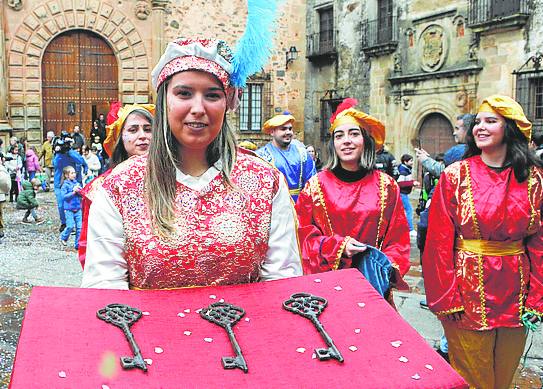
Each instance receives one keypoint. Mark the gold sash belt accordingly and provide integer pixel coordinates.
(490, 247)
(294, 191)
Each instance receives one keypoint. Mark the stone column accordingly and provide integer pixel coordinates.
(158, 19)
(3, 74)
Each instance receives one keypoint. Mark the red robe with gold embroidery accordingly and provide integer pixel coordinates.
(353, 209)
(492, 291)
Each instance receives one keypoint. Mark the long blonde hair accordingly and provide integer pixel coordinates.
(163, 158)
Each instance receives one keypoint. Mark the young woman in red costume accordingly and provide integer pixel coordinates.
(197, 210)
(128, 134)
(349, 204)
(483, 261)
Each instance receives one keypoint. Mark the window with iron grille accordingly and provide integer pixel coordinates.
(384, 18)
(251, 108)
(328, 107)
(538, 101)
(326, 29)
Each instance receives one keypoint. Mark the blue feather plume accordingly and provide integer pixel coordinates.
(254, 47)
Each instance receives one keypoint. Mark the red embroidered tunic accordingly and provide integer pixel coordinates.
(369, 210)
(221, 234)
(87, 194)
(473, 201)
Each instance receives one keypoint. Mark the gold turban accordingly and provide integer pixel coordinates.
(277, 121)
(510, 109)
(113, 130)
(374, 127)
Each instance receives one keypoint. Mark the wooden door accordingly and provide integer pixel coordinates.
(79, 80)
(436, 134)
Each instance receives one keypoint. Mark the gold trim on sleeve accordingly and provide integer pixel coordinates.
(477, 233)
(449, 311)
(340, 252)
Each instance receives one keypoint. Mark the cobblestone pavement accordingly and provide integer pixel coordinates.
(31, 255)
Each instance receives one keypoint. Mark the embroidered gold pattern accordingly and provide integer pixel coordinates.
(528, 310)
(477, 233)
(449, 311)
(521, 294)
(533, 212)
(220, 233)
(340, 252)
(323, 204)
(383, 195)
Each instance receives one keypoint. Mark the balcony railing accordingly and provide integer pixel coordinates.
(321, 45)
(380, 37)
(497, 14)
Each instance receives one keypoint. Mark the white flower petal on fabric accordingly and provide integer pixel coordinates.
(247, 319)
(62, 374)
(198, 310)
(105, 387)
(148, 361)
(313, 356)
(429, 367)
(212, 296)
(338, 288)
(181, 314)
(187, 311)
(403, 359)
(353, 348)
(221, 300)
(416, 377)
(208, 340)
(317, 280)
(357, 330)
(159, 350)
(187, 333)
(396, 343)
(145, 313)
(300, 350)
(361, 305)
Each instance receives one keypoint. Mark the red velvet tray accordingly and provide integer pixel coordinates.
(64, 345)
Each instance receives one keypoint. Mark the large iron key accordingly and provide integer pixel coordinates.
(310, 307)
(227, 315)
(124, 316)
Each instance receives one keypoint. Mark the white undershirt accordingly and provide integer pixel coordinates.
(105, 266)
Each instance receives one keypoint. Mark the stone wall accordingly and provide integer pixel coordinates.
(137, 31)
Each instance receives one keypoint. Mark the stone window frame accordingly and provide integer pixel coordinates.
(263, 82)
(529, 89)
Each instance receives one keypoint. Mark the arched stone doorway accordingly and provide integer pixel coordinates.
(79, 80)
(436, 134)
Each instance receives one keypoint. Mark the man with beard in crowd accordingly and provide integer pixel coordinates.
(288, 155)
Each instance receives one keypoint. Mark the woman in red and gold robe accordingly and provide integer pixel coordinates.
(349, 204)
(483, 267)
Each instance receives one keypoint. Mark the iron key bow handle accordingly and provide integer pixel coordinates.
(310, 307)
(227, 315)
(124, 316)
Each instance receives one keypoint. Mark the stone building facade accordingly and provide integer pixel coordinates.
(418, 64)
(39, 38)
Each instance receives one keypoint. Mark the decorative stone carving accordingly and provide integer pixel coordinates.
(397, 58)
(433, 47)
(406, 103)
(16, 5)
(461, 99)
(142, 9)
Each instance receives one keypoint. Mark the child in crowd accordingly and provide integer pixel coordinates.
(72, 205)
(406, 183)
(32, 162)
(27, 200)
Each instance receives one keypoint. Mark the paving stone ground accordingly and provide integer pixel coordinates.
(31, 255)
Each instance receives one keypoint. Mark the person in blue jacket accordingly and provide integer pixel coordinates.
(64, 156)
(72, 206)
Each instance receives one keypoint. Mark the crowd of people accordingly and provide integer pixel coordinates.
(181, 205)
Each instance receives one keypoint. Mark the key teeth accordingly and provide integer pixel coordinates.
(232, 363)
(131, 363)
